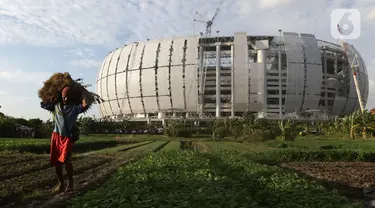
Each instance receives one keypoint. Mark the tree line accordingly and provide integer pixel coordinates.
(248, 127)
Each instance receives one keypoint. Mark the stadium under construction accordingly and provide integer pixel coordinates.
(277, 77)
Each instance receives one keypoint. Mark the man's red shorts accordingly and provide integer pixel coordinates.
(61, 149)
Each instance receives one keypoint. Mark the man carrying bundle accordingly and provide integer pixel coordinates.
(65, 115)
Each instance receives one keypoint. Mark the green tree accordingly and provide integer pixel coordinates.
(85, 125)
(41, 129)
(22, 121)
(362, 122)
(289, 130)
(7, 127)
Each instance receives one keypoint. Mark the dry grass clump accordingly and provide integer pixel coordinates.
(51, 91)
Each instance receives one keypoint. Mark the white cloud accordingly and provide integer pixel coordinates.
(371, 15)
(82, 52)
(54, 22)
(87, 63)
(85, 55)
(24, 76)
(9, 71)
(273, 3)
(114, 22)
(9, 100)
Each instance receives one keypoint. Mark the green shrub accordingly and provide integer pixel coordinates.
(7, 128)
(278, 144)
(184, 133)
(43, 132)
(221, 132)
(178, 129)
(186, 145)
(236, 131)
(259, 135)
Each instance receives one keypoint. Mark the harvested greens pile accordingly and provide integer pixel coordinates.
(51, 91)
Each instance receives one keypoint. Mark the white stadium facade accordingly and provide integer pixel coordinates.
(220, 77)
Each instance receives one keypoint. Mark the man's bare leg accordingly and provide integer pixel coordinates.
(69, 173)
(59, 172)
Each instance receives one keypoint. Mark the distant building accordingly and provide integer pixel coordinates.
(24, 131)
(213, 77)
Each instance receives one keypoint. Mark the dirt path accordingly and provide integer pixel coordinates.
(350, 178)
(32, 186)
(84, 182)
(33, 189)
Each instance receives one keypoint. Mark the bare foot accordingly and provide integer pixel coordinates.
(58, 189)
(70, 186)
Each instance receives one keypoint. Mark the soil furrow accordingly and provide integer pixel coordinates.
(160, 147)
(13, 189)
(11, 171)
(129, 148)
(87, 181)
(350, 178)
(84, 182)
(15, 159)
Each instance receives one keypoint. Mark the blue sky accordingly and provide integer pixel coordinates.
(39, 37)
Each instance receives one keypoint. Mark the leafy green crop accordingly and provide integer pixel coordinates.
(221, 179)
(40, 146)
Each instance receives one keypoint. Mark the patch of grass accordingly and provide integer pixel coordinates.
(172, 145)
(316, 143)
(118, 148)
(236, 146)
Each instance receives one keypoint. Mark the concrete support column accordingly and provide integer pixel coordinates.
(232, 82)
(201, 81)
(325, 81)
(280, 78)
(261, 56)
(161, 115)
(218, 80)
(262, 59)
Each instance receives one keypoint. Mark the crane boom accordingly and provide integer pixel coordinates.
(353, 66)
(211, 21)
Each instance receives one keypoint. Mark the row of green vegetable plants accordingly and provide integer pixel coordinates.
(219, 179)
(274, 153)
(40, 146)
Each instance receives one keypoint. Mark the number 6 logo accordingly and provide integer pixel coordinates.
(345, 23)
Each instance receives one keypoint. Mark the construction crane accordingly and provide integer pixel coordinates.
(353, 65)
(209, 22)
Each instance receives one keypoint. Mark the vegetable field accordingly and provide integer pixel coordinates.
(141, 171)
